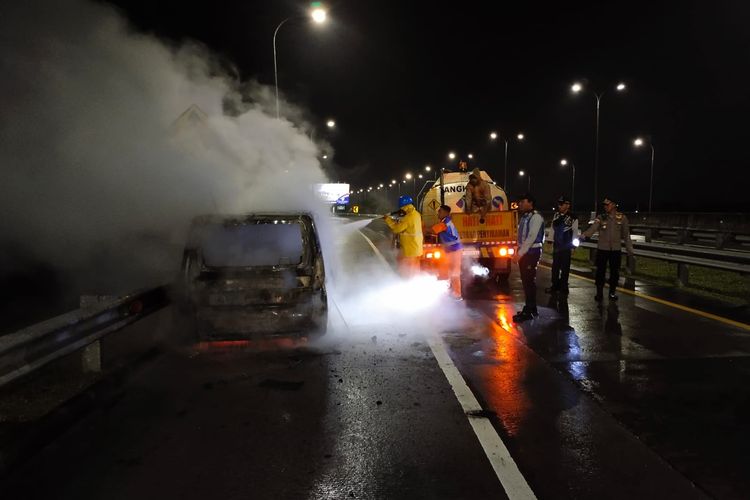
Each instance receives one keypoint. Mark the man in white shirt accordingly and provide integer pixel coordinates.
(530, 241)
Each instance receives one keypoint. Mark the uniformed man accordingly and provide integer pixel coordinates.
(613, 228)
(565, 239)
(530, 242)
(450, 240)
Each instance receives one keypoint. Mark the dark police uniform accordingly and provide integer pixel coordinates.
(613, 229)
(565, 231)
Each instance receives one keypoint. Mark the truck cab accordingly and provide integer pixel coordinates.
(489, 246)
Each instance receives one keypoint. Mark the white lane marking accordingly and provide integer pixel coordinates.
(497, 453)
(502, 462)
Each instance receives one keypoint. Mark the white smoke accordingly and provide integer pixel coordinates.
(98, 173)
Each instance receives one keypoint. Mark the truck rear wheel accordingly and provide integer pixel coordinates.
(501, 279)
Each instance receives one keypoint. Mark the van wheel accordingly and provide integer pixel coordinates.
(502, 278)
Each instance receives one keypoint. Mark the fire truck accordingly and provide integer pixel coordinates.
(489, 245)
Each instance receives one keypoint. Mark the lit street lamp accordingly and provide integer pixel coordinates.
(318, 15)
(331, 124)
(639, 142)
(564, 163)
(413, 181)
(577, 88)
(470, 156)
(521, 173)
(493, 137)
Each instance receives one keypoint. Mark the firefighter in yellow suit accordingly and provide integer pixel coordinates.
(409, 230)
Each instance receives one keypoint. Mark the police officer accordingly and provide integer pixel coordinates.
(565, 239)
(530, 241)
(613, 228)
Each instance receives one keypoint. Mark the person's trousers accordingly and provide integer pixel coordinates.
(408, 267)
(454, 271)
(527, 266)
(561, 268)
(612, 259)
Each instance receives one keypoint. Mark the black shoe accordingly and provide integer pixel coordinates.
(612, 296)
(552, 289)
(525, 315)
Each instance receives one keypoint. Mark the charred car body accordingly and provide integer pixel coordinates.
(254, 275)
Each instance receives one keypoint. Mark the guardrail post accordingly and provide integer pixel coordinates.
(91, 355)
(721, 240)
(683, 274)
(630, 263)
(682, 236)
(649, 235)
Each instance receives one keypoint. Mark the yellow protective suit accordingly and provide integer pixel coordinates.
(409, 230)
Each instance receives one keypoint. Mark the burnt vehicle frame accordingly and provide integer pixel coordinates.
(286, 299)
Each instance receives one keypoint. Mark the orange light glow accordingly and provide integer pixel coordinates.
(503, 252)
(511, 251)
(507, 390)
(437, 255)
(429, 255)
(255, 345)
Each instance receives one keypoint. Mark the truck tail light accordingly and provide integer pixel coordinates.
(503, 251)
(511, 251)
(437, 255)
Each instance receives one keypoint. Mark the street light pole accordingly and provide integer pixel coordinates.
(651, 183)
(576, 88)
(276, 66)
(564, 163)
(506, 140)
(522, 173)
(596, 151)
(505, 177)
(638, 143)
(318, 15)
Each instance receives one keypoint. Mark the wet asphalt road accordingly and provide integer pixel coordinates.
(630, 400)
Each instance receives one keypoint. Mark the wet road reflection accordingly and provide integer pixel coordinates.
(593, 394)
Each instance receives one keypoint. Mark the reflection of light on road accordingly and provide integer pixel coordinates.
(507, 391)
(503, 313)
(253, 345)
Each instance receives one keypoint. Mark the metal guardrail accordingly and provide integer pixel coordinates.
(715, 238)
(681, 256)
(31, 348)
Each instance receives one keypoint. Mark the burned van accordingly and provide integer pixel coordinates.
(258, 275)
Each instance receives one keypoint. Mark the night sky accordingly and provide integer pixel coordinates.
(409, 81)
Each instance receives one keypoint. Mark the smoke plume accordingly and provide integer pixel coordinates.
(111, 141)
